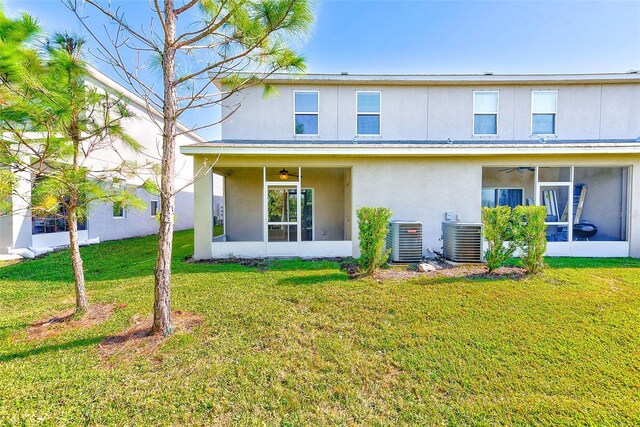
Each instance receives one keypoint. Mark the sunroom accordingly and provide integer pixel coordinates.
(587, 206)
(282, 211)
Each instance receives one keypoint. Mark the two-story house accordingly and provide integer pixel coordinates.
(296, 166)
(106, 221)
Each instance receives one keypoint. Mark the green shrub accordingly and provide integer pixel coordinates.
(373, 226)
(530, 233)
(498, 231)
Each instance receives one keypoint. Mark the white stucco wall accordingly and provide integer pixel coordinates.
(145, 129)
(585, 111)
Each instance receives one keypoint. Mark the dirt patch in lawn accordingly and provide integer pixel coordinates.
(479, 271)
(67, 320)
(138, 340)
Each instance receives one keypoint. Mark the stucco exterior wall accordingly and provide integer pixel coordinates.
(419, 190)
(328, 199)
(243, 189)
(585, 111)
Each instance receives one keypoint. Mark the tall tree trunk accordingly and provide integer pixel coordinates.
(162, 303)
(76, 262)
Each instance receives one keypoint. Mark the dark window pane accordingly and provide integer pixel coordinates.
(306, 124)
(510, 197)
(544, 124)
(306, 203)
(118, 210)
(485, 124)
(368, 124)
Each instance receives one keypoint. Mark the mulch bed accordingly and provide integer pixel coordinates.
(66, 321)
(467, 271)
(138, 340)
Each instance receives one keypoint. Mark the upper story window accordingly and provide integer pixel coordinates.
(485, 112)
(306, 112)
(368, 113)
(544, 108)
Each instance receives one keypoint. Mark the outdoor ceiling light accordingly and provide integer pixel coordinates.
(284, 174)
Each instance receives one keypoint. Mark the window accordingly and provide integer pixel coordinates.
(512, 197)
(54, 223)
(544, 105)
(118, 210)
(368, 113)
(154, 208)
(306, 113)
(485, 112)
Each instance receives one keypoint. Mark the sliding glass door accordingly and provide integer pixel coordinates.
(282, 213)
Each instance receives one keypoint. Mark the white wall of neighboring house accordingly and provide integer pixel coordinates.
(16, 230)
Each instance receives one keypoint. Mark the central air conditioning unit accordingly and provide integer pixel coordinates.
(462, 241)
(405, 241)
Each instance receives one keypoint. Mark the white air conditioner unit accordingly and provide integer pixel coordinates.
(405, 241)
(462, 241)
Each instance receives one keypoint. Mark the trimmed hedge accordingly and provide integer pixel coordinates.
(521, 228)
(373, 226)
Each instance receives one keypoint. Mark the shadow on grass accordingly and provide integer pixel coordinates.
(51, 348)
(313, 280)
(299, 264)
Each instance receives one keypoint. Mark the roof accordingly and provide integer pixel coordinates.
(632, 76)
(104, 80)
(412, 147)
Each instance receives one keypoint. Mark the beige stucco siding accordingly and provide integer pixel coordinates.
(585, 111)
(243, 215)
(419, 190)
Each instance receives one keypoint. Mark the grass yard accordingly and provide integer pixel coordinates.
(298, 343)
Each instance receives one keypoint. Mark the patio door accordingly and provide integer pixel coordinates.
(282, 222)
(554, 192)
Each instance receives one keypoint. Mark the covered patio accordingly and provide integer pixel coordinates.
(276, 211)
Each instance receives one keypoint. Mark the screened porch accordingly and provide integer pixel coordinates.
(282, 211)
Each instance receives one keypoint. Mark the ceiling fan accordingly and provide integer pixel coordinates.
(520, 169)
(285, 174)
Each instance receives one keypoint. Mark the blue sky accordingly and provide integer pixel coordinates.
(443, 36)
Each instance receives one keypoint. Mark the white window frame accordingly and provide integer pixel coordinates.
(497, 113)
(555, 113)
(157, 202)
(124, 212)
(379, 114)
(317, 113)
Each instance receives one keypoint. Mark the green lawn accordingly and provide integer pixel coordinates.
(300, 344)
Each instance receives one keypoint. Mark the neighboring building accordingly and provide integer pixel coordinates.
(429, 148)
(108, 222)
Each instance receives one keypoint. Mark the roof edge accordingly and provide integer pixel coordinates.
(449, 79)
(102, 78)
